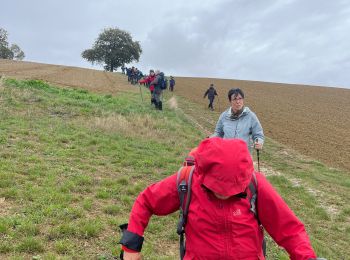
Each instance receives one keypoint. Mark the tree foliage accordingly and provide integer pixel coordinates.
(7, 51)
(112, 49)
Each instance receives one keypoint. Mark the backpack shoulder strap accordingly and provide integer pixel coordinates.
(253, 187)
(183, 182)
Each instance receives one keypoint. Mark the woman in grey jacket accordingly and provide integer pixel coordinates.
(240, 122)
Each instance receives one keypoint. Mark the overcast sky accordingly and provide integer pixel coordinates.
(291, 41)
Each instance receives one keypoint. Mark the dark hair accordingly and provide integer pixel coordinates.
(235, 92)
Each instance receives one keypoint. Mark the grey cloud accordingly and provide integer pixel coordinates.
(289, 41)
(285, 41)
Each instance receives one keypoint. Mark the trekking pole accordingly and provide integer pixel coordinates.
(219, 103)
(258, 155)
(141, 93)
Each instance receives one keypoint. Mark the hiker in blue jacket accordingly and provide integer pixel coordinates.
(239, 121)
(172, 83)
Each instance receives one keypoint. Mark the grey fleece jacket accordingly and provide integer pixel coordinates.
(246, 126)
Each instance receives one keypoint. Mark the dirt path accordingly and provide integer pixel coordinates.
(325, 201)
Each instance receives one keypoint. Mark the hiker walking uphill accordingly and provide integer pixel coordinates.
(158, 83)
(150, 78)
(238, 121)
(220, 223)
(211, 93)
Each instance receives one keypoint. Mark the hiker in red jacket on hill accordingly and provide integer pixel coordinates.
(148, 80)
(220, 223)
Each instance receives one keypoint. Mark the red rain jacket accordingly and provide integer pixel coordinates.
(224, 229)
(149, 79)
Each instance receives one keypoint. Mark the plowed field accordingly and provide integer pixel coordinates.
(312, 120)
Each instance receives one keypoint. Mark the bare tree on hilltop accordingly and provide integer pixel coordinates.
(7, 51)
(112, 49)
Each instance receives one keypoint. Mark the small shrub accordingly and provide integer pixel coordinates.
(112, 210)
(123, 181)
(30, 245)
(3, 226)
(126, 200)
(63, 231)
(28, 230)
(64, 247)
(9, 193)
(90, 228)
(5, 248)
(87, 204)
(71, 213)
(103, 194)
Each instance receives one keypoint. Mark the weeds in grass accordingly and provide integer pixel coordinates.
(64, 247)
(112, 210)
(30, 245)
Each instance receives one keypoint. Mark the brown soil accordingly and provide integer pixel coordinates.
(312, 120)
(93, 80)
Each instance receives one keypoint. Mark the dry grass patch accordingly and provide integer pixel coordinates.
(5, 207)
(2, 79)
(172, 103)
(133, 125)
(2, 87)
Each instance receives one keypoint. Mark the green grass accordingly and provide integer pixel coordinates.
(73, 162)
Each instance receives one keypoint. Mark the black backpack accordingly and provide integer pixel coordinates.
(184, 181)
(163, 83)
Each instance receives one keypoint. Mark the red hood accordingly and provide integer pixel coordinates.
(226, 165)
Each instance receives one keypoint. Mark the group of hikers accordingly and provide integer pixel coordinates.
(155, 81)
(225, 205)
(133, 73)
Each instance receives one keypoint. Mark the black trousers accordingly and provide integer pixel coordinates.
(211, 101)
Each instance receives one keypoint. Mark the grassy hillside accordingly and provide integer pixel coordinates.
(312, 120)
(72, 163)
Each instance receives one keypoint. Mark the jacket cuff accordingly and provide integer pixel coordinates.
(132, 241)
(128, 249)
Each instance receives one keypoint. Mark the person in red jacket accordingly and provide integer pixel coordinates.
(148, 80)
(220, 224)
